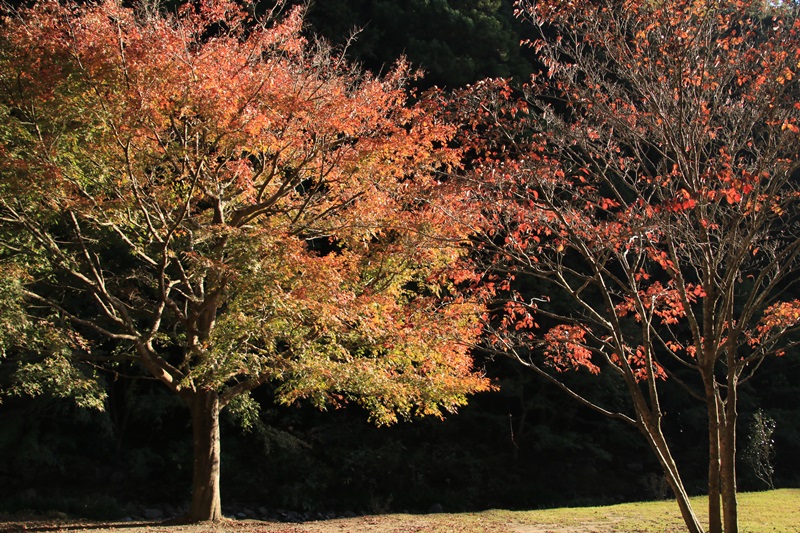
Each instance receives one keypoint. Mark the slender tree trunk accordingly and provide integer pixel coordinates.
(206, 503)
(728, 461)
(655, 437)
(713, 408)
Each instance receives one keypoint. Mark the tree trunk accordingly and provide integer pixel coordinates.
(713, 408)
(728, 462)
(206, 503)
(655, 437)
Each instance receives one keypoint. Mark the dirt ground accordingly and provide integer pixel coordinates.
(440, 523)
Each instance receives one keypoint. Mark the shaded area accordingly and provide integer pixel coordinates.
(524, 447)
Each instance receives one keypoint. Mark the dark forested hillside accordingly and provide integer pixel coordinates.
(454, 41)
(525, 446)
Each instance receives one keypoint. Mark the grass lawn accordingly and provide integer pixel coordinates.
(776, 511)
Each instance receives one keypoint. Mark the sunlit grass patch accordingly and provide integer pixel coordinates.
(776, 511)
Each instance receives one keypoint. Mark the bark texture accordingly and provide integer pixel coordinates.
(206, 502)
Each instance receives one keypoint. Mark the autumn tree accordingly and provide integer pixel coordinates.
(226, 203)
(646, 184)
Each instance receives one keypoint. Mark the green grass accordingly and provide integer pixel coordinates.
(776, 511)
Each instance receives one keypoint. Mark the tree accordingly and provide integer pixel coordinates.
(456, 42)
(647, 185)
(760, 449)
(227, 204)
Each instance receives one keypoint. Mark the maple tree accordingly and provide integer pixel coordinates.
(227, 203)
(646, 183)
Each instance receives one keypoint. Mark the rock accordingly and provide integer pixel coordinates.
(436, 508)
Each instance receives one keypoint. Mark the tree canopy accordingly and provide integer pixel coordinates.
(228, 203)
(636, 210)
